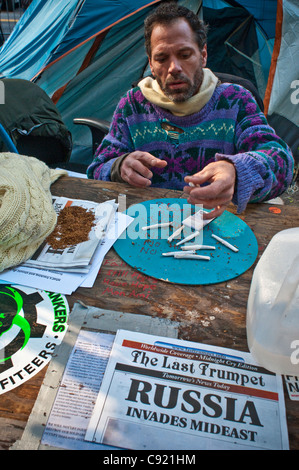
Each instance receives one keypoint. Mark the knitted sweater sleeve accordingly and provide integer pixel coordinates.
(115, 144)
(264, 163)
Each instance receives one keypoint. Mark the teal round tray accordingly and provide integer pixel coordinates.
(142, 249)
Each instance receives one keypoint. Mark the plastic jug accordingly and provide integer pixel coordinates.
(273, 305)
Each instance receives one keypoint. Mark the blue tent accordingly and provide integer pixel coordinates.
(86, 53)
(49, 29)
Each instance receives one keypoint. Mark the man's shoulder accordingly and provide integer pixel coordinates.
(232, 89)
(133, 98)
(235, 92)
(134, 93)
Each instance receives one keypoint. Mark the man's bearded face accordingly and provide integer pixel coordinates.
(176, 61)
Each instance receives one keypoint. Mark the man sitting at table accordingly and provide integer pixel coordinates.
(183, 126)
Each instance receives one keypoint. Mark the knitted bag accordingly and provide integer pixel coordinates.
(27, 215)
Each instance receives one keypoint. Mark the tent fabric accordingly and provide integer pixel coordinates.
(241, 37)
(283, 86)
(49, 29)
(36, 35)
(275, 54)
(232, 41)
(86, 53)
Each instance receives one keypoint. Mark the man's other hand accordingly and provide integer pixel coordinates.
(218, 193)
(135, 168)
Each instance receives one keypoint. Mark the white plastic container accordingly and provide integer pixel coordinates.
(273, 305)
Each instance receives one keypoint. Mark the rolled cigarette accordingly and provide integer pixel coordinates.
(191, 256)
(198, 247)
(175, 233)
(224, 242)
(164, 224)
(193, 235)
(172, 253)
(183, 254)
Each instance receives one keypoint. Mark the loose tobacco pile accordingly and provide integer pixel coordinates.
(73, 226)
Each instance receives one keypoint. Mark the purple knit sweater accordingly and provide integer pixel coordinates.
(229, 126)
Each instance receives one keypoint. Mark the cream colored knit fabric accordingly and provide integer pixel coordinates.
(152, 91)
(27, 216)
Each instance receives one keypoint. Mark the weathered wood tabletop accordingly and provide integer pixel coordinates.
(211, 314)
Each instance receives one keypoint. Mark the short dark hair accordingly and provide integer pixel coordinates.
(169, 12)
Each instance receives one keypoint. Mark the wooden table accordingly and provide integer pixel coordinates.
(212, 314)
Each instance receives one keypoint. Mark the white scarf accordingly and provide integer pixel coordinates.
(152, 92)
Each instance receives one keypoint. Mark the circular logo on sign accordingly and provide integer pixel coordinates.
(32, 324)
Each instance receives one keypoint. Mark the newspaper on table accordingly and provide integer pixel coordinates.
(292, 385)
(76, 258)
(65, 280)
(80, 384)
(162, 394)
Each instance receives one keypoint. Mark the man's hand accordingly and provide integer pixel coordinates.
(135, 168)
(216, 195)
